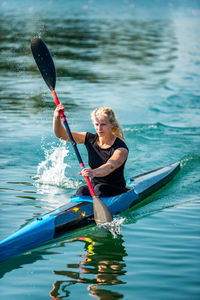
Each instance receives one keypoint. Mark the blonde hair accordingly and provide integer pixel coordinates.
(109, 114)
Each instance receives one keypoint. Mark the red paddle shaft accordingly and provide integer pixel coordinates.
(63, 117)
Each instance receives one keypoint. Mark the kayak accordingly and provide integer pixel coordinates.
(79, 212)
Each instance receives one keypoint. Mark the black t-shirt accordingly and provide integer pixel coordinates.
(98, 156)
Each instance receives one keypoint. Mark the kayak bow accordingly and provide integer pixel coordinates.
(79, 212)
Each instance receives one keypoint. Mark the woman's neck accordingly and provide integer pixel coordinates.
(106, 141)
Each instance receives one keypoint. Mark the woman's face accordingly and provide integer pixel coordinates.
(102, 126)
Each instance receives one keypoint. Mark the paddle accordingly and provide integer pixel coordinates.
(46, 66)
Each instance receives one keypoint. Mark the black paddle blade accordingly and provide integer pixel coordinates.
(44, 62)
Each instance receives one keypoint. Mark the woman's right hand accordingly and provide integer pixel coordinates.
(60, 107)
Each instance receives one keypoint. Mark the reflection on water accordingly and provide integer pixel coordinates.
(102, 265)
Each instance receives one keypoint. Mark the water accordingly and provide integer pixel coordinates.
(141, 58)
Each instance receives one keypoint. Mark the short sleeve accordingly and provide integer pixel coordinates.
(119, 144)
(89, 138)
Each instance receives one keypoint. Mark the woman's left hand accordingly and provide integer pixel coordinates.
(87, 172)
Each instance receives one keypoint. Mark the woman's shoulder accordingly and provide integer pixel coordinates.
(90, 137)
(119, 143)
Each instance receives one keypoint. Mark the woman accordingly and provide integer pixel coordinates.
(107, 152)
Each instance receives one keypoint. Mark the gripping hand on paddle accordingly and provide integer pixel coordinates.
(59, 108)
(87, 172)
(59, 130)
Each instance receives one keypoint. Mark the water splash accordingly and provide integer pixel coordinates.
(113, 227)
(52, 177)
(52, 170)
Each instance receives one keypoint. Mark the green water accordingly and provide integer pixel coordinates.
(142, 58)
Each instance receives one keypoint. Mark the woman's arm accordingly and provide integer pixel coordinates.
(60, 131)
(117, 159)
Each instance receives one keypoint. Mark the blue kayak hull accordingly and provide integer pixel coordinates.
(79, 212)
